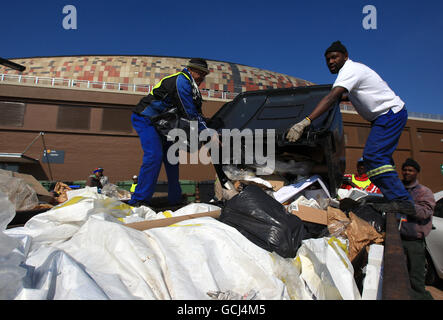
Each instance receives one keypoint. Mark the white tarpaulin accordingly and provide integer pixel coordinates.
(81, 249)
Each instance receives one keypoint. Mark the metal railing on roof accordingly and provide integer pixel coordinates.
(422, 115)
(87, 84)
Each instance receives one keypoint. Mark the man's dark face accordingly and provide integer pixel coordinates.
(361, 169)
(335, 61)
(409, 174)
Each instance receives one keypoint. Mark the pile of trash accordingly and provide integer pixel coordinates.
(21, 195)
(259, 243)
(27, 194)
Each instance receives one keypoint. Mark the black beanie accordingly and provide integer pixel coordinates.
(336, 46)
(411, 163)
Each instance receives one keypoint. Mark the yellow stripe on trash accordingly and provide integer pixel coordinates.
(124, 208)
(70, 202)
(333, 242)
(185, 225)
(167, 214)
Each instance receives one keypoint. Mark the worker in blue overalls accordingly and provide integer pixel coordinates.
(377, 103)
(180, 90)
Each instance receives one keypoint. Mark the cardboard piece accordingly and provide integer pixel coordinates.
(360, 234)
(311, 215)
(158, 223)
(276, 181)
(337, 222)
(62, 189)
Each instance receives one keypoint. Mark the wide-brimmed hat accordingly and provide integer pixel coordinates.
(199, 64)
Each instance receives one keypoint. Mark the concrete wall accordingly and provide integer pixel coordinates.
(119, 151)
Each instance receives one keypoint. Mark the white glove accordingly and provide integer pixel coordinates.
(296, 130)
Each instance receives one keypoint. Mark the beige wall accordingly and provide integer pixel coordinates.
(120, 152)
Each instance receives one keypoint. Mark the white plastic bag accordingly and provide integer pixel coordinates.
(326, 269)
(11, 273)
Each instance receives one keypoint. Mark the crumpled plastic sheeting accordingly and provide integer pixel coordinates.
(11, 273)
(112, 190)
(181, 262)
(82, 250)
(204, 255)
(326, 270)
(21, 195)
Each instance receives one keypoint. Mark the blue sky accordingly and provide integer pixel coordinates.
(283, 36)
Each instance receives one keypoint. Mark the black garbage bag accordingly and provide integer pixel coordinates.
(366, 209)
(372, 216)
(264, 221)
(315, 230)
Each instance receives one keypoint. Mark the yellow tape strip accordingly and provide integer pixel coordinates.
(185, 225)
(71, 202)
(167, 214)
(333, 242)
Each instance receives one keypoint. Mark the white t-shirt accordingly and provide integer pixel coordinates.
(368, 92)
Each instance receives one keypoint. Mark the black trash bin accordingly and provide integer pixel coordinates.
(206, 191)
(322, 143)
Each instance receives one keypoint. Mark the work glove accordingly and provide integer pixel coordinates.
(296, 130)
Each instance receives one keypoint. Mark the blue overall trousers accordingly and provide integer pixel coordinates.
(155, 153)
(377, 155)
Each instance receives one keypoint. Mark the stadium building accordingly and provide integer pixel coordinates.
(64, 116)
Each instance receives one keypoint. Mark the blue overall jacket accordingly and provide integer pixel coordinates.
(175, 90)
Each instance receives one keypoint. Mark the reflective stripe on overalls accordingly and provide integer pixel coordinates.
(380, 170)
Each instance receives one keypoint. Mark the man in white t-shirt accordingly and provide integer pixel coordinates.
(378, 104)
